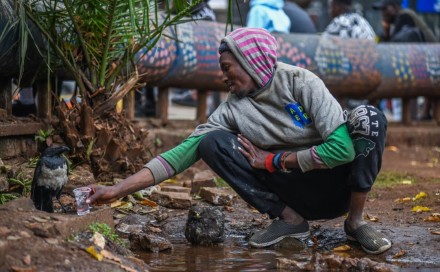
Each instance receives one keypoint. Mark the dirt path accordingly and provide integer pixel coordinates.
(406, 173)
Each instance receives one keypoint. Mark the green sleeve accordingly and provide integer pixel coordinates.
(184, 155)
(337, 149)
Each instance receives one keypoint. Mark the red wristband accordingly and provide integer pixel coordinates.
(268, 164)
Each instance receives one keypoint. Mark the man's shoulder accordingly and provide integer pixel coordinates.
(407, 16)
(295, 71)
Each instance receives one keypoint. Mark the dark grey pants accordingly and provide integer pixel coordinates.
(317, 194)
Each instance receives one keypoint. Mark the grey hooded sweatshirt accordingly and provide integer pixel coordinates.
(294, 111)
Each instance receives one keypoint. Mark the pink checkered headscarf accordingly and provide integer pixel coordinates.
(256, 50)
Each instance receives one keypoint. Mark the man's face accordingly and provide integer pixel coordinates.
(389, 13)
(239, 82)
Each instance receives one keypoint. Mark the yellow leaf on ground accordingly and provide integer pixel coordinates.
(393, 148)
(432, 219)
(435, 217)
(402, 200)
(171, 180)
(399, 254)
(94, 252)
(148, 202)
(420, 209)
(420, 196)
(406, 182)
(372, 218)
(342, 248)
(115, 204)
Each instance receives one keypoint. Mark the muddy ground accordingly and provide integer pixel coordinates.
(406, 172)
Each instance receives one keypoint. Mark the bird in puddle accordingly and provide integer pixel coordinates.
(50, 176)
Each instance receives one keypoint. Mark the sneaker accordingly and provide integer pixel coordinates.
(371, 240)
(277, 231)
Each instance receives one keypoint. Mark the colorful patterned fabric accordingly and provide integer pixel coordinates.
(256, 50)
(350, 25)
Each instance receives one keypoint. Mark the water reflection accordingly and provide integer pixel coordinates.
(233, 255)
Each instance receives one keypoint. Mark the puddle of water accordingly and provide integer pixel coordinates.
(236, 255)
(230, 256)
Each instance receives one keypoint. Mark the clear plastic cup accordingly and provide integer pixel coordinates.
(81, 195)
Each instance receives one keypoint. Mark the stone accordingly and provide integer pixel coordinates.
(172, 200)
(218, 196)
(290, 243)
(125, 229)
(153, 243)
(333, 262)
(56, 225)
(176, 189)
(205, 225)
(202, 179)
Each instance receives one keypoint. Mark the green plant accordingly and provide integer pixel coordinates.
(219, 182)
(97, 41)
(32, 162)
(70, 165)
(107, 232)
(90, 149)
(7, 197)
(23, 183)
(390, 179)
(43, 135)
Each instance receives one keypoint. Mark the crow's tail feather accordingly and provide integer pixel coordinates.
(43, 199)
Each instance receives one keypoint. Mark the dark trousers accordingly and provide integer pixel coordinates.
(316, 194)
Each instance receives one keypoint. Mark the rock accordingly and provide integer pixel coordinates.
(187, 183)
(150, 190)
(133, 223)
(21, 203)
(291, 243)
(175, 189)
(205, 225)
(172, 200)
(202, 179)
(27, 259)
(4, 231)
(153, 243)
(124, 229)
(333, 262)
(217, 196)
(56, 225)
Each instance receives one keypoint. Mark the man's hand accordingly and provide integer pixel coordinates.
(101, 194)
(255, 156)
(107, 194)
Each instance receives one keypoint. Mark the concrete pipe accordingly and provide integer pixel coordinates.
(350, 68)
